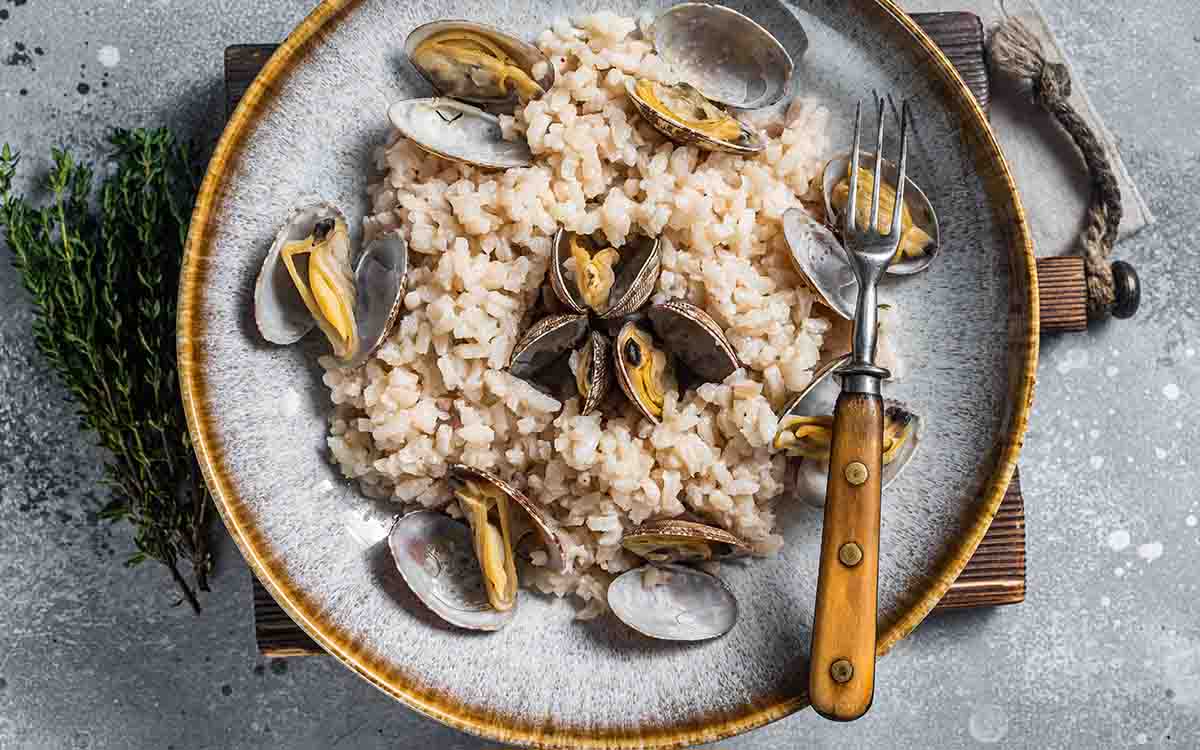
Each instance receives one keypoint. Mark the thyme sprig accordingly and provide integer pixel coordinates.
(103, 272)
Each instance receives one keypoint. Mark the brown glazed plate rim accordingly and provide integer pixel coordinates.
(445, 708)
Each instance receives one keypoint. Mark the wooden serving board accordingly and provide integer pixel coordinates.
(996, 574)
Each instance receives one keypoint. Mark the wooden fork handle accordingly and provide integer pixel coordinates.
(841, 681)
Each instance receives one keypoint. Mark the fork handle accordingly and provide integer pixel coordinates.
(841, 681)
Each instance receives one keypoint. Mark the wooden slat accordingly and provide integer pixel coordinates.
(1062, 285)
(995, 576)
(960, 35)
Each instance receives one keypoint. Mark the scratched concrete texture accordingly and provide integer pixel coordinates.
(1105, 653)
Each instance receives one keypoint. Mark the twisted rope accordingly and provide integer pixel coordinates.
(1016, 52)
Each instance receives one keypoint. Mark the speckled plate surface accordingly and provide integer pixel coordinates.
(308, 125)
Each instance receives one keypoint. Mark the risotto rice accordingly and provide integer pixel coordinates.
(479, 244)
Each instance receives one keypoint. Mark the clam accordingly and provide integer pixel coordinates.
(458, 132)
(920, 238)
(674, 603)
(307, 278)
(821, 261)
(611, 282)
(684, 115)
(435, 555)
(546, 342)
(478, 64)
(674, 540)
(695, 338)
(727, 57)
(462, 478)
(806, 433)
(593, 371)
(642, 370)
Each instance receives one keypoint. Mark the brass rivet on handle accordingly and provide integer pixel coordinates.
(850, 554)
(856, 473)
(841, 671)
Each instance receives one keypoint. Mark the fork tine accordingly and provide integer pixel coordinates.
(898, 209)
(851, 207)
(878, 167)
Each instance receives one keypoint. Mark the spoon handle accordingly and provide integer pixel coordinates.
(841, 681)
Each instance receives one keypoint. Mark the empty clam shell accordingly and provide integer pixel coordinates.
(684, 115)
(543, 523)
(436, 558)
(692, 335)
(673, 540)
(593, 377)
(379, 279)
(674, 603)
(920, 235)
(725, 55)
(641, 370)
(477, 63)
(458, 132)
(279, 311)
(808, 476)
(820, 259)
(545, 342)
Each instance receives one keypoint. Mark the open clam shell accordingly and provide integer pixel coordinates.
(593, 378)
(545, 342)
(458, 132)
(634, 273)
(672, 540)
(728, 57)
(379, 278)
(479, 64)
(279, 311)
(808, 476)
(436, 558)
(674, 603)
(543, 523)
(641, 370)
(684, 115)
(821, 261)
(920, 211)
(692, 335)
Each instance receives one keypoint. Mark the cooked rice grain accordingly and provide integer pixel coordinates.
(437, 392)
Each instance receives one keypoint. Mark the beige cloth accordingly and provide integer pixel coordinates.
(1048, 169)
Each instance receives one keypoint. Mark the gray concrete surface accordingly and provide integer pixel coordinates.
(1104, 654)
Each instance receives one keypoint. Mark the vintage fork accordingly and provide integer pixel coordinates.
(841, 681)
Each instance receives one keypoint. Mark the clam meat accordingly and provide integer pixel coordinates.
(684, 115)
(473, 481)
(642, 370)
(485, 506)
(920, 237)
(674, 603)
(589, 276)
(478, 64)
(458, 132)
(675, 540)
(805, 433)
(307, 278)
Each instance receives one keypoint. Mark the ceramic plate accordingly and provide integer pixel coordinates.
(308, 125)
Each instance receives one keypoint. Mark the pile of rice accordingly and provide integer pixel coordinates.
(438, 393)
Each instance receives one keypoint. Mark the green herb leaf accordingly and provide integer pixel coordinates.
(103, 276)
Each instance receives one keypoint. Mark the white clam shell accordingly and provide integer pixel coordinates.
(725, 55)
(673, 603)
(458, 132)
(436, 558)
